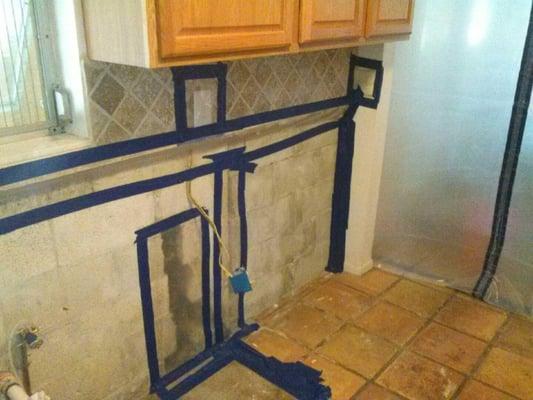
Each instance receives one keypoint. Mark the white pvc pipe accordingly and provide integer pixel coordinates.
(16, 392)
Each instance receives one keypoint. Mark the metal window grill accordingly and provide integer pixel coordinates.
(28, 76)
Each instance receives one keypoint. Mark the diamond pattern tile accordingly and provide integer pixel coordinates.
(253, 86)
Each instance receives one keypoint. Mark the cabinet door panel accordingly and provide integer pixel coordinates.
(202, 27)
(388, 17)
(322, 20)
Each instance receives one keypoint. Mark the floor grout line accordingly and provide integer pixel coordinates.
(400, 349)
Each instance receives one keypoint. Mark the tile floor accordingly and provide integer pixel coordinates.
(381, 337)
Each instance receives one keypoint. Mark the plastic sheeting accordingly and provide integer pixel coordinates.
(453, 90)
(512, 286)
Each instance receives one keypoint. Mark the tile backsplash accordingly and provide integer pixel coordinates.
(128, 102)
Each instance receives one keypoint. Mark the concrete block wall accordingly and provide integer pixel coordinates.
(76, 276)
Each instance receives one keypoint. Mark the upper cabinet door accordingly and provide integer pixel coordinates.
(205, 27)
(389, 17)
(323, 20)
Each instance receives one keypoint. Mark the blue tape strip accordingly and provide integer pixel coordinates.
(368, 63)
(221, 93)
(148, 313)
(206, 290)
(187, 367)
(14, 222)
(244, 239)
(146, 292)
(297, 379)
(217, 276)
(341, 193)
(167, 223)
(289, 142)
(33, 169)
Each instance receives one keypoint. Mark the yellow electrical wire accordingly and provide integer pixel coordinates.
(215, 230)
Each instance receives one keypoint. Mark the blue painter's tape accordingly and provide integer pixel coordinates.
(148, 313)
(206, 291)
(12, 223)
(341, 194)
(33, 169)
(157, 383)
(217, 276)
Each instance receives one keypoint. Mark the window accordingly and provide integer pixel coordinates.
(31, 98)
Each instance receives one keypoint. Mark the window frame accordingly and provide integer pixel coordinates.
(54, 96)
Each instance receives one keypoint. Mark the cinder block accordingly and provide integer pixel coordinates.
(93, 282)
(170, 201)
(122, 172)
(27, 253)
(39, 300)
(103, 228)
(79, 362)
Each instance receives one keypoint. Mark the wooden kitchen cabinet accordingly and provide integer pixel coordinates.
(199, 27)
(327, 20)
(157, 33)
(152, 33)
(389, 17)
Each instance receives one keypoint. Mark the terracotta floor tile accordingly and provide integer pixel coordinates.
(475, 390)
(357, 350)
(472, 317)
(517, 336)
(418, 378)
(417, 298)
(375, 392)
(446, 346)
(344, 384)
(236, 378)
(339, 300)
(373, 282)
(390, 322)
(509, 372)
(274, 345)
(305, 324)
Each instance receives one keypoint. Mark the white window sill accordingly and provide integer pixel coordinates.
(18, 149)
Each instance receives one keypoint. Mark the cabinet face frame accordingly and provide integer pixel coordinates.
(378, 27)
(313, 30)
(126, 32)
(224, 43)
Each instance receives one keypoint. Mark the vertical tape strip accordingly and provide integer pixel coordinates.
(341, 193)
(221, 92)
(244, 238)
(206, 289)
(148, 312)
(509, 166)
(217, 276)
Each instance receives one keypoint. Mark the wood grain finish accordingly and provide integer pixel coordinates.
(195, 27)
(389, 17)
(163, 33)
(116, 31)
(326, 20)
